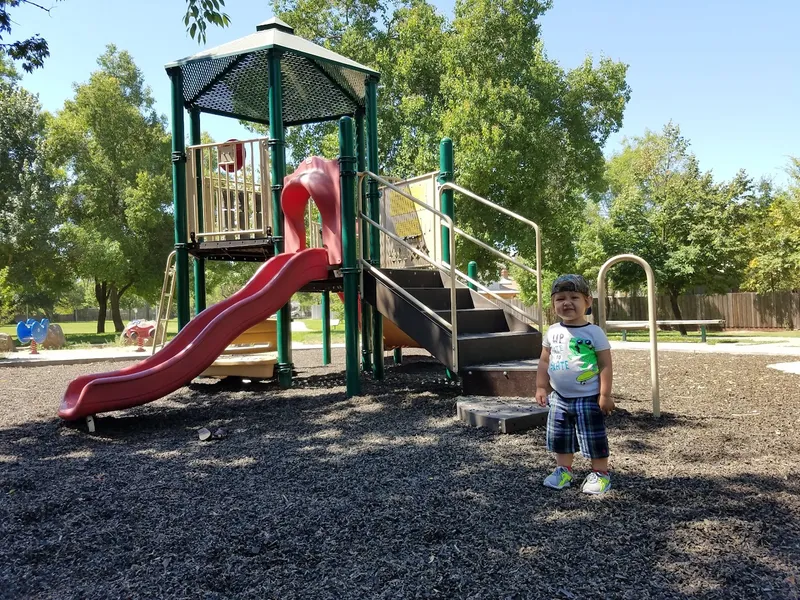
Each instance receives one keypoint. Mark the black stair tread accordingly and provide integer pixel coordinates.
(472, 310)
(525, 364)
(494, 334)
(411, 278)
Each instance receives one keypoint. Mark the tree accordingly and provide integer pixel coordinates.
(527, 134)
(117, 207)
(33, 51)
(775, 239)
(36, 272)
(662, 207)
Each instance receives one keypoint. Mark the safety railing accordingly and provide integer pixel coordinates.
(438, 262)
(450, 270)
(232, 179)
(536, 272)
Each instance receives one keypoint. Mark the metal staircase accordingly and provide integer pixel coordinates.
(497, 352)
(481, 337)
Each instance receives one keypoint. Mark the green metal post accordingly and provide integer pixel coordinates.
(472, 273)
(326, 322)
(179, 198)
(398, 356)
(374, 214)
(278, 172)
(199, 263)
(350, 270)
(445, 175)
(326, 328)
(366, 309)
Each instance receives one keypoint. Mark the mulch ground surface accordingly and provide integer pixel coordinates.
(388, 495)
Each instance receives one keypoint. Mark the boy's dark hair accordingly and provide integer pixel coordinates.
(571, 283)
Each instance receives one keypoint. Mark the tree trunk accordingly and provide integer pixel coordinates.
(116, 315)
(101, 294)
(676, 310)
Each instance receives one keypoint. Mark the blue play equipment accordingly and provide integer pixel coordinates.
(32, 330)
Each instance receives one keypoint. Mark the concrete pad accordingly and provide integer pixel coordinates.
(506, 415)
(788, 367)
(72, 357)
(779, 348)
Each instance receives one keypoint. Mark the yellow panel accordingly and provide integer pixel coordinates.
(408, 228)
(260, 333)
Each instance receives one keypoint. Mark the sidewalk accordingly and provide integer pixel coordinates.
(780, 347)
(23, 358)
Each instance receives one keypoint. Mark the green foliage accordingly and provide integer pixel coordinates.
(28, 187)
(662, 207)
(199, 13)
(117, 208)
(7, 299)
(775, 239)
(527, 134)
(33, 51)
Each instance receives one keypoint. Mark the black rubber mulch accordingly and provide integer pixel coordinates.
(388, 495)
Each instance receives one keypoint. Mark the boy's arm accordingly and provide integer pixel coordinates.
(606, 380)
(543, 377)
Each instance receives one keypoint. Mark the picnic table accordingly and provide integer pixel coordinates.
(624, 326)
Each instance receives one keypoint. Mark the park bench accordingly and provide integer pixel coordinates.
(624, 326)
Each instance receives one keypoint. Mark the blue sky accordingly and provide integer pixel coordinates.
(725, 71)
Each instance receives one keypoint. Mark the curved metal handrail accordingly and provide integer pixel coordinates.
(651, 313)
(449, 185)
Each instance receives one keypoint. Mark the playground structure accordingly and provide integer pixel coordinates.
(387, 246)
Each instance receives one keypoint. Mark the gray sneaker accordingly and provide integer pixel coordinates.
(559, 479)
(596, 483)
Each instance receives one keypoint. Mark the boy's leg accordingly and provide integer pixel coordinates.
(593, 442)
(565, 460)
(561, 440)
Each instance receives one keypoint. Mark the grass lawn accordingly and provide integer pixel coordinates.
(83, 333)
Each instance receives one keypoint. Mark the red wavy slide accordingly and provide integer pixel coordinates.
(199, 343)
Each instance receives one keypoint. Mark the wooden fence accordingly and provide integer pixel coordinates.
(740, 310)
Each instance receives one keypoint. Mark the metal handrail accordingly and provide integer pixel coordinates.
(229, 143)
(452, 245)
(500, 299)
(499, 253)
(453, 325)
(651, 313)
(449, 185)
(394, 285)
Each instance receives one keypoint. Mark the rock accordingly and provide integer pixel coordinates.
(7, 343)
(55, 337)
(204, 434)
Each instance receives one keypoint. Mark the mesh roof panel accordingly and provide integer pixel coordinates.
(233, 79)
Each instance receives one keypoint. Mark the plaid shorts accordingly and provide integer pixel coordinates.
(576, 423)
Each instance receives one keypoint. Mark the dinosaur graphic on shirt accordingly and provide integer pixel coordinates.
(584, 351)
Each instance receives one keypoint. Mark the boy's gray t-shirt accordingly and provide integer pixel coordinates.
(573, 358)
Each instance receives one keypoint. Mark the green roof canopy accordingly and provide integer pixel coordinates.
(232, 79)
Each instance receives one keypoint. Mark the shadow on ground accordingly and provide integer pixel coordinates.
(387, 495)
